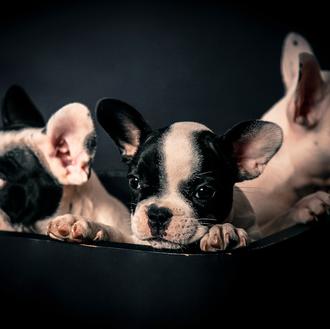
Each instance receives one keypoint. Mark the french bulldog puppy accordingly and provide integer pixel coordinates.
(182, 177)
(294, 186)
(46, 181)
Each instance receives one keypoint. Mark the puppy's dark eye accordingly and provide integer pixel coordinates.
(204, 192)
(134, 183)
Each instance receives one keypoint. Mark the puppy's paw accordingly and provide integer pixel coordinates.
(222, 236)
(309, 207)
(76, 229)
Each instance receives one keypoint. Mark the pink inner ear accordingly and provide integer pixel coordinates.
(75, 164)
(62, 151)
(67, 131)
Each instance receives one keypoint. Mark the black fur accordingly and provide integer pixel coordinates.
(214, 172)
(121, 121)
(147, 166)
(30, 193)
(90, 144)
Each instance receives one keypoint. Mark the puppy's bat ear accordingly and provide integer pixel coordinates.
(70, 144)
(124, 124)
(293, 45)
(19, 111)
(309, 92)
(250, 145)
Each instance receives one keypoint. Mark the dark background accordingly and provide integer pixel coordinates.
(196, 61)
(214, 63)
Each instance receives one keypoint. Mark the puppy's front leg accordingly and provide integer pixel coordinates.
(222, 237)
(78, 229)
(304, 211)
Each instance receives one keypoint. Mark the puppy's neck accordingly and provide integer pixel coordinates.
(76, 200)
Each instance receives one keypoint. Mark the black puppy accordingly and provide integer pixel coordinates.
(182, 177)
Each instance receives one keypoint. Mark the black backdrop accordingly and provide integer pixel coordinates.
(174, 61)
(197, 61)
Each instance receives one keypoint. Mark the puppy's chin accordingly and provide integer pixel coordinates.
(162, 243)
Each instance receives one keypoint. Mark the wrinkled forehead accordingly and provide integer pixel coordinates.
(181, 152)
(173, 150)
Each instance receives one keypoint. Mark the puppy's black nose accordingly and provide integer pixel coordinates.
(158, 218)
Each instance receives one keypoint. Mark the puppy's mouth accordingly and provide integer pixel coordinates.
(160, 242)
(180, 233)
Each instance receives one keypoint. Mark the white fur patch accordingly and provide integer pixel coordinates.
(12, 139)
(181, 158)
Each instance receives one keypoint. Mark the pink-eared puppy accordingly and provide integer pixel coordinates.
(294, 186)
(46, 181)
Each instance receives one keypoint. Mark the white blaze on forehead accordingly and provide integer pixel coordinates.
(181, 157)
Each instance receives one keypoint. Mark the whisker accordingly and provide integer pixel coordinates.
(208, 224)
(251, 187)
(203, 173)
(248, 187)
(207, 219)
(249, 192)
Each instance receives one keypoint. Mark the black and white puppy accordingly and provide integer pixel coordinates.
(46, 181)
(182, 177)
